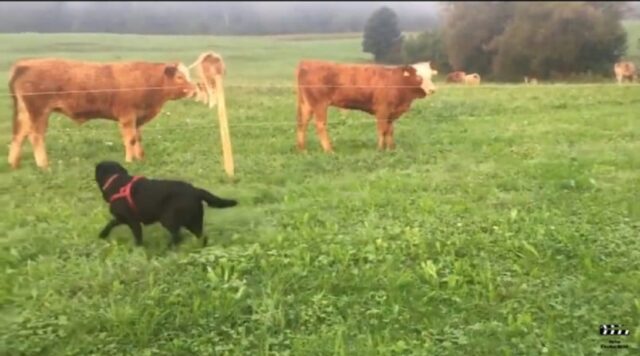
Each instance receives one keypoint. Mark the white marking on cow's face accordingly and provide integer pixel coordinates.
(183, 79)
(185, 71)
(425, 72)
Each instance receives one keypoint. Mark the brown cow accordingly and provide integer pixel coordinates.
(131, 93)
(624, 70)
(472, 79)
(456, 77)
(384, 91)
(209, 66)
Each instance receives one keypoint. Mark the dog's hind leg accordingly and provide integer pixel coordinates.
(195, 225)
(137, 232)
(169, 222)
(175, 236)
(107, 229)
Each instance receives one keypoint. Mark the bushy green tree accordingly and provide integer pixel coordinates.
(468, 31)
(382, 36)
(427, 46)
(576, 38)
(548, 39)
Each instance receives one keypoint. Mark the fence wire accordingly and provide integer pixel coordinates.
(295, 87)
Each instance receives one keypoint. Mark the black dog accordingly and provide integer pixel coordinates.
(136, 200)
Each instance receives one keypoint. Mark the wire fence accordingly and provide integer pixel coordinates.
(294, 87)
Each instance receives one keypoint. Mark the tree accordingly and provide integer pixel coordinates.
(469, 30)
(427, 46)
(507, 41)
(577, 38)
(382, 36)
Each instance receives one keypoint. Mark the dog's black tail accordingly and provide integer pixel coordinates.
(216, 202)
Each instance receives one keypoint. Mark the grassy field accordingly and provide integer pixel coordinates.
(507, 222)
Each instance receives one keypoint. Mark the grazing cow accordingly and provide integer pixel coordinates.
(209, 67)
(384, 91)
(530, 80)
(131, 93)
(456, 77)
(624, 70)
(472, 79)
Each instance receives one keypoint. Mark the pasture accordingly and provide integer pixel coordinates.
(507, 221)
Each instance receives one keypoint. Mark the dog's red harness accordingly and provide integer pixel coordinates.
(125, 191)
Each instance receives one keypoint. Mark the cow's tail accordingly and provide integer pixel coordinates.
(215, 201)
(299, 94)
(14, 73)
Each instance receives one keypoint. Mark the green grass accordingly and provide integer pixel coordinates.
(505, 223)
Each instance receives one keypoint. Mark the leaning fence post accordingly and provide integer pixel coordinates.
(224, 128)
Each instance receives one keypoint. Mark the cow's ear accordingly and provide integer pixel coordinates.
(170, 70)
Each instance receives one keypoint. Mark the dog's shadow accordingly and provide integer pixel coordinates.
(223, 228)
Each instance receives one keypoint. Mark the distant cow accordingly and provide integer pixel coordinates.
(131, 93)
(472, 79)
(530, 80)
(209, 66)
(456, 77)
(383, 91)
(624, 70)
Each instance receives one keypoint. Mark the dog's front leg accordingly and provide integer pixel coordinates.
(107, 229)
(137, 232)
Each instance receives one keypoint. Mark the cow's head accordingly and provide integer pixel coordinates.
(423, 72)
(178, 81)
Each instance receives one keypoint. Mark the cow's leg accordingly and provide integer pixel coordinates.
(138, 151)
(39, 124)
(21, 128)
(389, 137)
(383, 128)
(304, 115)
(321, 128)
(128, 132)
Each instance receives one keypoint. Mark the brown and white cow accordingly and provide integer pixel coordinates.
(456, 77)
(131, 93)
(386, 92)
(625, 70)
(472, 79)
(210, 69)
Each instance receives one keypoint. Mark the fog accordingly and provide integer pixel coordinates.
(224, 18)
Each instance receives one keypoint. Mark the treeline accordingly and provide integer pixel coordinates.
(203, 18)
(507, 41)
